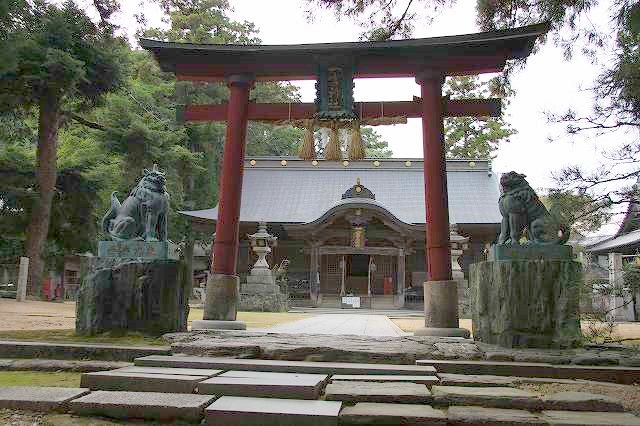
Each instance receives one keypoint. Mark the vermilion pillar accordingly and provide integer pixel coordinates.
(440, 291)
(225, 247)
(223, 285)
(435, 178)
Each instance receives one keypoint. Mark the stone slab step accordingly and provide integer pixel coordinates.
(267, 374)
(265, 387)
(490, 397)
(38, 398)
(140, 382)
(470, 415)
(589, 418)
(143, 405)
(401, 392)
(172, 371)
(448, 379)
(580, 401)
(282, 366)
(242, 411)
(618, 374)
(43, 350)
(424, 380)
(374, 413)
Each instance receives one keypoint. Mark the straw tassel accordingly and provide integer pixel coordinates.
(307, 149)
(332, 151)
(356, 146)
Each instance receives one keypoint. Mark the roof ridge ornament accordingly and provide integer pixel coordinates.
(358, 191)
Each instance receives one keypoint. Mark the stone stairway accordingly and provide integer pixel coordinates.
(226, 391)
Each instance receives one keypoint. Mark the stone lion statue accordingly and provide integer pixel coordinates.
(522, 209)
(280, 272)
(143, 215)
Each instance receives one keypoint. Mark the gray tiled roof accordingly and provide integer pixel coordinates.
(300, 192)
(632, 238)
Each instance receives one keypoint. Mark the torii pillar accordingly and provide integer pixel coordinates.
(223, 285)
(440, 291)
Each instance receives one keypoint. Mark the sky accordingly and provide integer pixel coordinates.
(547, 83)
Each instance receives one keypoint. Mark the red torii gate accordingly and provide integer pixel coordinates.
(429, 60)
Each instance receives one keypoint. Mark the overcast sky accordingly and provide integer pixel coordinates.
(547, 83)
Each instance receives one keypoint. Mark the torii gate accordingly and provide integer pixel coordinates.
(428, 60)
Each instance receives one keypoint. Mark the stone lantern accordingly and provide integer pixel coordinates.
(459, 244)
(261, 243)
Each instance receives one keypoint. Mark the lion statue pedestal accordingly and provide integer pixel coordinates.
(134, 284)
(527, 294)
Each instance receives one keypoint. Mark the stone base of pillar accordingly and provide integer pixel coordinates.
(217, 325)
(222, 299)
(441, 310)
(443, 332)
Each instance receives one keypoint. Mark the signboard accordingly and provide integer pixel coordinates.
(353, 301)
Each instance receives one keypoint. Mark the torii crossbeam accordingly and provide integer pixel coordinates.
(428, 60)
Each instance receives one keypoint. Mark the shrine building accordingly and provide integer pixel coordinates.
(338, 218)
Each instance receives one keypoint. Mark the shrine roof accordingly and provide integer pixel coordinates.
(300, 192)
(466, 54)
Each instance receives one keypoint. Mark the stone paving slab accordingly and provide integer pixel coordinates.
(470, 415)
(241, 411)
(341, 324)
(424, 380)
(267, 374)
(589, 418)
(143, 405)
(490, 397)
(321, 347)
(265, 387)
(353, 391)
(59, 365)
(374, 413)
(38, 398)
(448, 379)
(580, 401)
(620, 374)
(279, 366)
(21, 349)
(140, 382)
(207, 372)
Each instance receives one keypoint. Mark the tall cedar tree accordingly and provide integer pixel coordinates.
(56, 57)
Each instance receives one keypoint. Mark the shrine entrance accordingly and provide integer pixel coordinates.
(334, 67)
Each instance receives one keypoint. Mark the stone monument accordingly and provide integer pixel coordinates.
(527, 294)
(134, 284)
(263, 290)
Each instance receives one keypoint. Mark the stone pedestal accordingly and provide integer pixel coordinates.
(522, 302)
(441, 310)
(120, 295)
(262, 293)
(220, 307)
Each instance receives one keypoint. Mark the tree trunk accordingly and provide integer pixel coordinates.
(46, 174)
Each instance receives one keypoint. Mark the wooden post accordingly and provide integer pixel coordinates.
(435, 178)
(23, 274)
(225, 248)
(314, 284)
(223, 285)
(440, 291)
(401, 277)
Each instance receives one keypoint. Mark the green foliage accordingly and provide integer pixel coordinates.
(375, 146)
(579, 210)
(61, 54)
(469, 137)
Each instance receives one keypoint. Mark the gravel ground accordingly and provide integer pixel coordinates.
(35, 315)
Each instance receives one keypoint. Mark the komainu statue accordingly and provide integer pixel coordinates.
(143, 215)
(522, 209)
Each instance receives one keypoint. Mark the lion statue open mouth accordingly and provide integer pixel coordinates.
(143, 215)
(522, 209)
